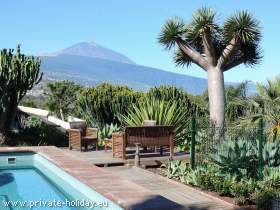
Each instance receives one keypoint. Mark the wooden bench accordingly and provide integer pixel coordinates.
(145, 136)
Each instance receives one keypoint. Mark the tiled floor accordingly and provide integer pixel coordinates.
(105, 158)
(122, 186)
(181, 194)
(125, 193)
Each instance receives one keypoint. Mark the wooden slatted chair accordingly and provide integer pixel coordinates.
(145, 136)
(83, 137)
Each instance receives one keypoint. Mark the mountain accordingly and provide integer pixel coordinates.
(93, 50)
(83, 66)
(91, 71)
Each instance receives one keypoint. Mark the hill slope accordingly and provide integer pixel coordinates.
(90, 71)
(89, 64)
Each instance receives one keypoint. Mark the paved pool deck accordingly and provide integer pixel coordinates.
(149, 158)
(124, 188)
(170, 189)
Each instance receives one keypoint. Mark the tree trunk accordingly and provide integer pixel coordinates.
(61, 114)
(216, 93)
(3, 115)
(11, 112)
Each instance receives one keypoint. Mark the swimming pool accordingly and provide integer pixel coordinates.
(29, 180)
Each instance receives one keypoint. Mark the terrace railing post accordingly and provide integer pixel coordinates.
(137, 155)
(261, 142)
(193, 142)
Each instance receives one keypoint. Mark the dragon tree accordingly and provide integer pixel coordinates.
(215, 48)
(18, 74)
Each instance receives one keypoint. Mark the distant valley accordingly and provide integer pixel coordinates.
(90, 64)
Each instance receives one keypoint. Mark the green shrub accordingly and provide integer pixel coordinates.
(108, 130)
(39, 133)
(61, 97)
(196, 105)
(271, 176)
(263, 198)
(201, 176)
(242, 191)
(271, 153)
(208, 175)
(164, 113)
(104, 103)
(176, 169)
(183, 145)
(193, 177)
(223, 184)
(170, 93)
(237, 157)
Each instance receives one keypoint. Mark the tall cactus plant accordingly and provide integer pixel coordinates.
(104, 103)
(18, 74)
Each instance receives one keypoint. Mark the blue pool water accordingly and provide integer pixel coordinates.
(30, 177)
(29, 185)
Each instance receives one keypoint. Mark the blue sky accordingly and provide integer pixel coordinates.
(130, 27)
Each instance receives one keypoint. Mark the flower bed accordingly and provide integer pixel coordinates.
(250, 193)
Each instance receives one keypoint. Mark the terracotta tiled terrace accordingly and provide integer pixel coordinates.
(124, 187)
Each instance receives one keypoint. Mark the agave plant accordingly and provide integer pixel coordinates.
(271, 153)
(237, 157)
(163, 112)
(176, 169)
(193, 177)
(271, 176)
(108, 130)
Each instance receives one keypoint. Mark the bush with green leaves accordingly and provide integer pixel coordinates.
(210, 178)
(240, 156)
(259, 190)
(222, 183)
(193, 177)
(271, 153)
(243, 190)
(176, 169)
(61, 97)
(106, 132)
(263, 198)
(39, 133)
(104, 103)
(195, 105)
(267, 190)
(237, 157)
(270, 176)
(171, 93)
(163, 112)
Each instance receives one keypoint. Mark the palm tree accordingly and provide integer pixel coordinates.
(237, 101)
(214, 48)
(268, 103)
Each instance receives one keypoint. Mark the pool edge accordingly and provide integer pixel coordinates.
(122, 192)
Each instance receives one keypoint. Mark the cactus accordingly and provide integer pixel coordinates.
(192, 103)
(18, 74)
(104, 103)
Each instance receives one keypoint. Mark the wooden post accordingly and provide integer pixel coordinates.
(124, 145)
(171, 142)
(137, 155)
